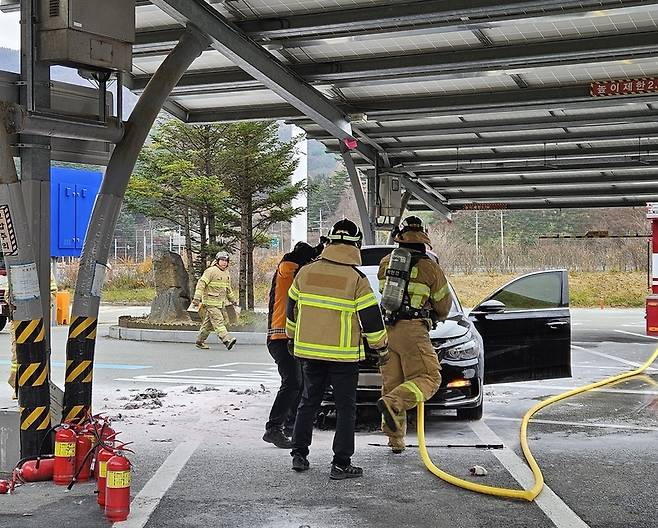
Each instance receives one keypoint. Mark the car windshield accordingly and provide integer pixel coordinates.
(372, 256)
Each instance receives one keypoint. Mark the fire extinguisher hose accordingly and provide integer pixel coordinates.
(532, 493)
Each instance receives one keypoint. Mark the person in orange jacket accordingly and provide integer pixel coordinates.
(284, 408)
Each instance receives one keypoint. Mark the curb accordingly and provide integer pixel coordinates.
(181, 336)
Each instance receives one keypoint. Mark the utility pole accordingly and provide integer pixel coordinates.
(502, 241)
(477, 239)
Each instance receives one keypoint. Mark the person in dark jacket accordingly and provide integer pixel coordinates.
(284, 409)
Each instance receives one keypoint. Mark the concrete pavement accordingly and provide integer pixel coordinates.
(596, 450)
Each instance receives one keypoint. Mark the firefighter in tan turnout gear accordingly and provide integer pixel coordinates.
(413, 373)
(331, 307)
(214, 292)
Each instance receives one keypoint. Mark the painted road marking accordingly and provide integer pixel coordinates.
(147, 500)
(226, 377)
(636, 334)
(553, 506)
(613, 358)
(575, 424)
(558, 388)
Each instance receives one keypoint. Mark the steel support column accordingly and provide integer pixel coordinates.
(82, 332)
(403, 206)
(229, 40)
(28, 325)
(355, 182)
(427, 197)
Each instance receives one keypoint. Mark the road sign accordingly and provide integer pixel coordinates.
(274, 242)
(623, 87)
(7, 233)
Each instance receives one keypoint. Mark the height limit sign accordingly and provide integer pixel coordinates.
(7, 234)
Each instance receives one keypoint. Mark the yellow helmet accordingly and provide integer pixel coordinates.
(412, 231)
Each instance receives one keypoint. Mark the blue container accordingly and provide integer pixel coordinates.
(72, 196)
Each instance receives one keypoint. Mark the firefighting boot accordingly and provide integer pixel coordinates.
(276, 437)
(397, 445)
(202, 345)
(345, 472)
(388, 414)
(230, 343)
(300, 463)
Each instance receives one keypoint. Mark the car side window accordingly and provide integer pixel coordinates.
(539, 291)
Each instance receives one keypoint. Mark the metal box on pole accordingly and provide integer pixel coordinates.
(94, 34)
(390, 195)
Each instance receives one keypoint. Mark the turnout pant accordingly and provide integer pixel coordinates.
(284, 408)
(213, 320)
(412, 374)
(318, 375)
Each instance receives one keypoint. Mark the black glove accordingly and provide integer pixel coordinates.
(379, 355)
(291, 347)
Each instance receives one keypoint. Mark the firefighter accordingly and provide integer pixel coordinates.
(413, 373)
(284, 408)
(331, 307)
(214, 292)
(14, 362)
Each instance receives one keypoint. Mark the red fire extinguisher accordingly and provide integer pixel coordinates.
(117, 488)
(101, 462)
(64, 466)
(38, 470)
(83, 456)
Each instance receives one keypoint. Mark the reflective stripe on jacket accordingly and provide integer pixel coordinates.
(331, 307)
(214, 288)
(428, 286)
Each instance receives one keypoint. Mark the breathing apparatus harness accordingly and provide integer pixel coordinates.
(396, 301)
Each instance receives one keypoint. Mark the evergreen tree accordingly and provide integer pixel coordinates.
(256, 172)
(178, 178)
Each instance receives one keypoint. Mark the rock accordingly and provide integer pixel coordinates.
(172, 290)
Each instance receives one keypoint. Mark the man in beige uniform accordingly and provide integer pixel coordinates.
(413, 373)
(14, 363)
(214, 292)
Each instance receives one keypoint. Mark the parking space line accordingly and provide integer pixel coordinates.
(609, 356)
(548, 501)
(576, 424)
(636, 334)
(537, 386)
(147, 500)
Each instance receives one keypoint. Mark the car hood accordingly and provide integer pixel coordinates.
(450, 329)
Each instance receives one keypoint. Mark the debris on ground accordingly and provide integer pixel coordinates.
(478, 471)
(161, 440)
(193, 390)
(250, 392)
(149, 394)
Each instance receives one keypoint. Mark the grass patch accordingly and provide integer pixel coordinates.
(586, 289)
(138, 296)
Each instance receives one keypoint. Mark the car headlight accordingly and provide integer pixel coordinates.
(459, 349)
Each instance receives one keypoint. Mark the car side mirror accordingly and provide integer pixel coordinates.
(492, 306)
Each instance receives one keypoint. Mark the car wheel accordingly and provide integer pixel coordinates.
(3, 321)
(470, 413)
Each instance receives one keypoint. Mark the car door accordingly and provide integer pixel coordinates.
(526, 329)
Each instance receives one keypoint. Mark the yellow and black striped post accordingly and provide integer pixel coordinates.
(33, 387)
(79, 368)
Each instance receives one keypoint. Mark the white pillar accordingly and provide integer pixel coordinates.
(299, 224)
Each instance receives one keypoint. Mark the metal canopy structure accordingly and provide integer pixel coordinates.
(475, 103)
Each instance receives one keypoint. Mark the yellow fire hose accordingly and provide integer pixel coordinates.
(531, 494)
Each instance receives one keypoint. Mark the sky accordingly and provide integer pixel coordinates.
(10, 30)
